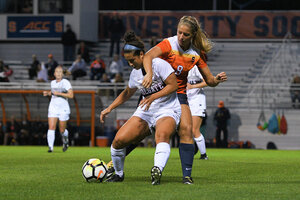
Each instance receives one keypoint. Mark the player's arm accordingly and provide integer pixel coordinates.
(198, 85)
(69, 94)
(171, 86)
(123, 97)
(47, 93)
(211, 80)
(149, 56)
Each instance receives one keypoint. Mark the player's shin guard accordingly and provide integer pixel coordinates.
(200, 141)
(186, 152)
(162, 154)
(51, 138)
(65, 136)
(118, 158)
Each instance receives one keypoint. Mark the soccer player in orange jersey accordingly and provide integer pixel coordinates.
(183, 51)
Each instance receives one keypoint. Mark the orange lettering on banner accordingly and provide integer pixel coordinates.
(45, 25)
(58, 27)
(29, 26)
(38, 25)
(12, 26)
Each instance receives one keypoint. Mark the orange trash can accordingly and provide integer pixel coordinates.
(101, 141)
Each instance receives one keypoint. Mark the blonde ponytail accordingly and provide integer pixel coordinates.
(200, 39)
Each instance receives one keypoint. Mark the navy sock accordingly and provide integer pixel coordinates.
(130, 148)
(186, 152)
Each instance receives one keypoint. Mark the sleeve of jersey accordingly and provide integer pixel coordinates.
(201, 63)
(131, 82)
(68, 85)
(165, 47)
(164, 69)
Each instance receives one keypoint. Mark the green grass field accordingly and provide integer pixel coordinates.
(28, 172)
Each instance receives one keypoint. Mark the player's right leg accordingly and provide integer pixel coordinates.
(128, 133)
(129, 148)
(165, 127)
(51, 132)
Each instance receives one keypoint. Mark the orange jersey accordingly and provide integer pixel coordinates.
(181, 61)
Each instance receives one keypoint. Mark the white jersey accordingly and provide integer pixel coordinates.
(196, 96)
(161, 71)
(59, 104)
(164, 106)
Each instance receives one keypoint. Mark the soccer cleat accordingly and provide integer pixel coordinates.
(110, 169)
(187, 180)
(115, 178)
(65, 147)
(49, 150)
(155, 175)
(65, 141)
(203, 157)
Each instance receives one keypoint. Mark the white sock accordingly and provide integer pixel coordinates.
(65, 136)
(162, 154)
(118, 158)
(200, 141)
(51, 138)
(66, 133)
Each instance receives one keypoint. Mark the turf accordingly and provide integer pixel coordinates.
(28, 172)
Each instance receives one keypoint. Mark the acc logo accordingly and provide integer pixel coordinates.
(36, 27)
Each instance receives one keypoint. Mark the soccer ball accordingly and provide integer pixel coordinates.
(94, 170)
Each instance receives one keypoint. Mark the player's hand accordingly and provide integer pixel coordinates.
(147, 81)
(221, 77)
(146, 102)
(103, 114)
(188, 86)
(46, 93)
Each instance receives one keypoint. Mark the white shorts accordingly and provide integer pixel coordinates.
(60, 116)
(198, 105)
(151, 117)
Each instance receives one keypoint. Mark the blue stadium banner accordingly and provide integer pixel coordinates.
(35, 27)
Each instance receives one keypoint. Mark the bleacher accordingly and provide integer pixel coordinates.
(246, 64)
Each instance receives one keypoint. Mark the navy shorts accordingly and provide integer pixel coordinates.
(182, 98)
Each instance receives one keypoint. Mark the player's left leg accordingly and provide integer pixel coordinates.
(128, 149)
(198, 137)
(186, 146)
(63, 119)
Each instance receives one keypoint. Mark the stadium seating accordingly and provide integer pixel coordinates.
(249, 66)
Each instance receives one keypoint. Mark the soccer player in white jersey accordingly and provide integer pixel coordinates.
(159, 108)
(197, 104)
(59, 109)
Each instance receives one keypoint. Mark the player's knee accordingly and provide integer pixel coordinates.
(162, 137)
(185, 130)
(118, 143)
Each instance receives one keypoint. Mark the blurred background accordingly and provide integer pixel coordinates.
(256, 42)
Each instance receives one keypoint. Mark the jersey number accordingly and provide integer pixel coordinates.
(179, 70)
